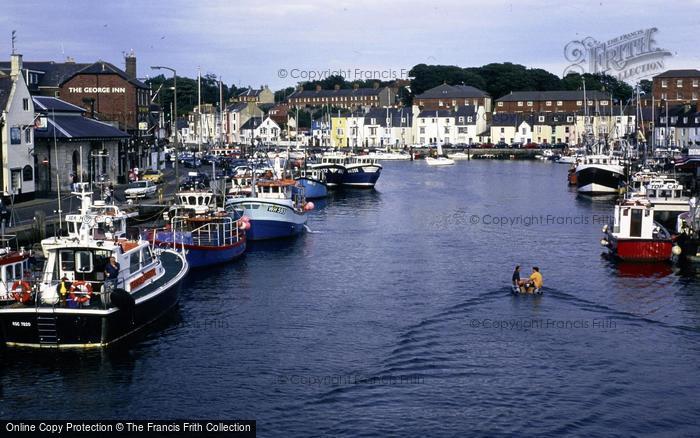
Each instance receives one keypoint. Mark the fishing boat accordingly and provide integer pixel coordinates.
(666, 195)
(14, 271)
(634, 235)
(207, 235)
(313, 180)
(277, 208)
(688, 232)
(361, 172)
(599, 174)
(333, 168)
(72, 305)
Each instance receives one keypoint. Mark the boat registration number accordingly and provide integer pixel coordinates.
(21, 324)
(276, 209)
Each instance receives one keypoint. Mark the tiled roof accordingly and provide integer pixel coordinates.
(102, 67)
(553, 95)
(51, 74)
(687, 73)
(249, 92)
(452, 91)
(252, 123)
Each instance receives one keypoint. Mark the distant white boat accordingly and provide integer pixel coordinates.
(389, 155)
(439, 161)
(458, 156)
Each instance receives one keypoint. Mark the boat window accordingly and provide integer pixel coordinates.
(192, 200)
(636, 223)
(625, 211)
(8, 273)
(67, 260)
(18, 270)
(147, 258)
(135, 261)
(646, 213)
(83, 261)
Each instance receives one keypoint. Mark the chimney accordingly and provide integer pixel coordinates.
(318, 88)
(336, 87)
(130, 61)
(15, 64)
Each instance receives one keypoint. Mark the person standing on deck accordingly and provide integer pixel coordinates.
(112, 272)
(516, 276)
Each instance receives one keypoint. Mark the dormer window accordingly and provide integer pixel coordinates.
(469, 119)
(541, 118)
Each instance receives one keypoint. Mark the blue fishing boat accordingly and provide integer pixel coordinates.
(277, 209)
(333, 168)
(361, 172)
(314, 183)
(206, 235)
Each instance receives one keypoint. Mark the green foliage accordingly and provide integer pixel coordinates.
(499, 79)
(187, 91)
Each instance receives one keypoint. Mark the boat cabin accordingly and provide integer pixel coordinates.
(199, 201)
(600, 159)
(274, 189)
(334, 159)
(664, 188)
(14, 266)
(634, 219)
(105, 222)
(362, 160)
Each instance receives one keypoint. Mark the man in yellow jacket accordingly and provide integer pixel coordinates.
(534, 280)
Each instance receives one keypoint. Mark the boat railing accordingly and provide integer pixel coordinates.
(221, 232)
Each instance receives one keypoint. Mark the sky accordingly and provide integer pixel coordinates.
(279, 43)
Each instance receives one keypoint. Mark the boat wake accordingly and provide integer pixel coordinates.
(310, 231)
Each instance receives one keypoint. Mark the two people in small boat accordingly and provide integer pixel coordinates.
(535, 279)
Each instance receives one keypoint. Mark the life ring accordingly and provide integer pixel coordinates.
(21, 291)
(83, 297)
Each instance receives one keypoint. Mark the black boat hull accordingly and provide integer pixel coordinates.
(595, 180)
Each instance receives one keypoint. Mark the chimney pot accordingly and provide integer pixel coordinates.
(130, 64)
(15, 64)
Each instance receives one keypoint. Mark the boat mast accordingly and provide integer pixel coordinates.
(199, 109)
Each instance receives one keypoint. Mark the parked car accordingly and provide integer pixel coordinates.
(501, 145)
(486, 146)
(140, 189)
(531, 145)
(154, 176)
(192, 162)
(516, 145)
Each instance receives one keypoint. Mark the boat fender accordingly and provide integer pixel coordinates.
(81, 286)
(21, 291)
(676, 250)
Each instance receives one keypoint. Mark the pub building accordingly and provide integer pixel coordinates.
(105, 93)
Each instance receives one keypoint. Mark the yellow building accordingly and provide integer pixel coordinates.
(339, 132)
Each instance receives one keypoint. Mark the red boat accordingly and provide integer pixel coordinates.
(634, 236)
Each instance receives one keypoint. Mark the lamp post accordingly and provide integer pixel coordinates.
(177, 148)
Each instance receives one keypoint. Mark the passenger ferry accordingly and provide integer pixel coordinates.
(72, 306)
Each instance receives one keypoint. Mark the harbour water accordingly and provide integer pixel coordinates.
(394, 316)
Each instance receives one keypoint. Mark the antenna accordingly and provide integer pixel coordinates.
(14, 39)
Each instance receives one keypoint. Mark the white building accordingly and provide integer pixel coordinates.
(17, 174)
(265, 131)
(235, 116)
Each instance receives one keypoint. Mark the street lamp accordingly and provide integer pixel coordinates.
(177, 148)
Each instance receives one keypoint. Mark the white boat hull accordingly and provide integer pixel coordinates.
(439, 161)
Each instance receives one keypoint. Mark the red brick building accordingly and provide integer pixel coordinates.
(676, 86)
(353, 98)
(570, 101)
(452, 97)
(110, 94)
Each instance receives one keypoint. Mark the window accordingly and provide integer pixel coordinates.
(569, 119)
(83, 261)
(67, 260)
(548, 103)
(447, 129)
(590, 103)
(25, 104)
(664, 83)
(529, 103)
(373, 121)
(603, 103)
(560, 103)
(422, 130)
(440, 103)
(15, 136)
(27, 135)
(679, 95)
(135, 262)
(461, 119)
(541, 118)
(499, 104)
(520, 104)
(27, 173)
(695, 83)
(469, 119)
(503, 130)
(663, 96)
(694, 96)
(679, 83)
(566, 129)
(579, 102)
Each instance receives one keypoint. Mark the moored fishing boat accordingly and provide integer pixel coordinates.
(206, 235)
(599, 174)
(313, 181)
(362, 172)
(634, 235)
(333, 168)
(73, 305)
(277, 208)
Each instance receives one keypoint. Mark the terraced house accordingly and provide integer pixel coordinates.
(353, 98)
(566, 101)
(451, 97)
